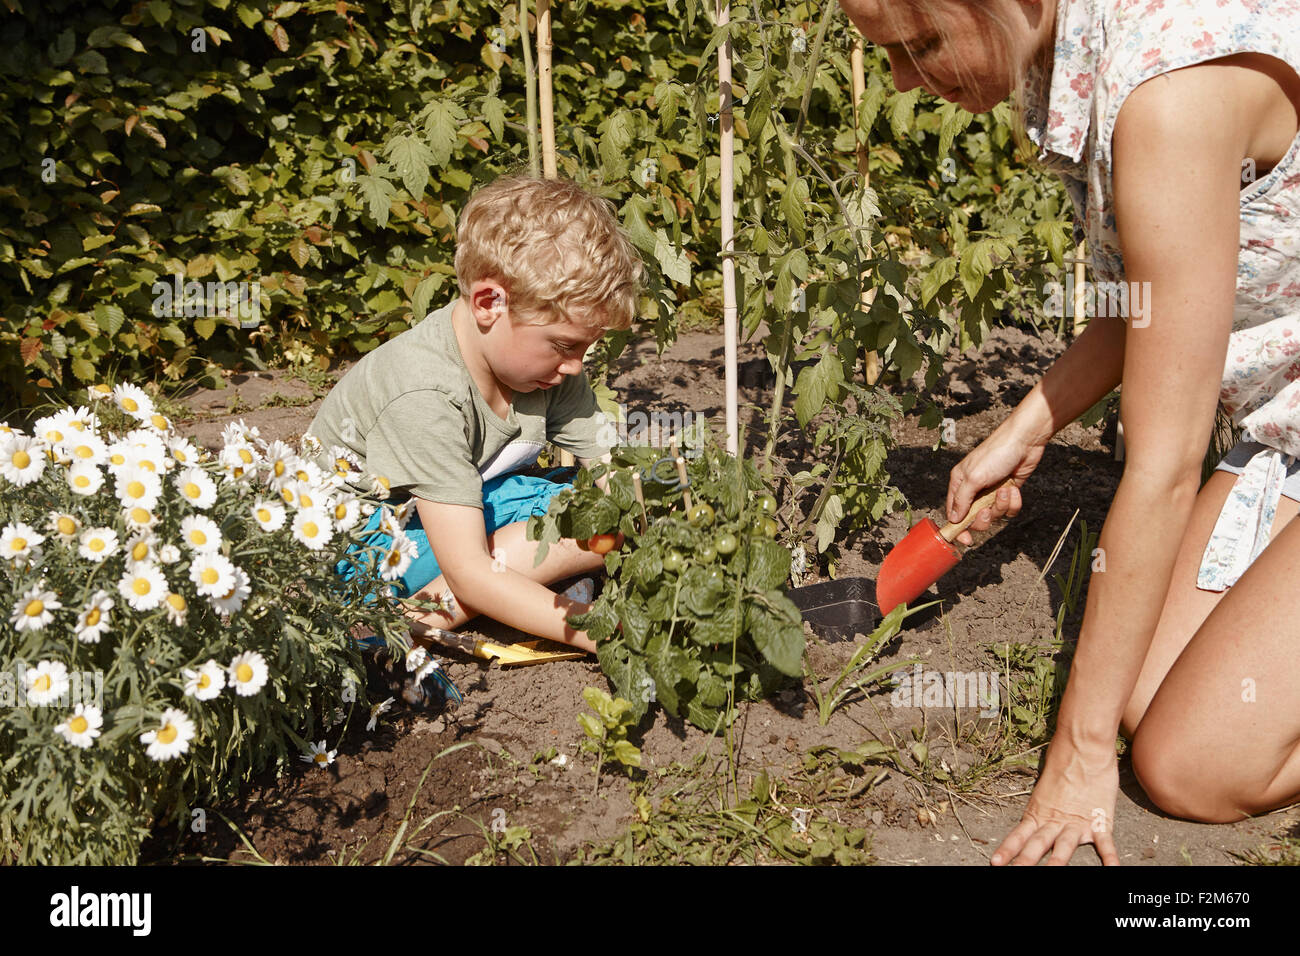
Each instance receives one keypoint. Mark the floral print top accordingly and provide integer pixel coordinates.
(1104, 50)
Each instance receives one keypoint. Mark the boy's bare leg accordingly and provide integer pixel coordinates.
(510, 548)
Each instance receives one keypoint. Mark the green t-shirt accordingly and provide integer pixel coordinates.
(411, 412)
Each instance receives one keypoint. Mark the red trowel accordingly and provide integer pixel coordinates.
(924, 556)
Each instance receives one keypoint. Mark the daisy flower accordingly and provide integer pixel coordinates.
(312, 528)
(310, 444)
(98, 544)
(238, 432)
(138, 488)
(20, 542)
(376, 710)
(133, 401)
(311, 495)
(50, 429)
(81, 726)
(196, 487)
(65, 525)
(212, 573)
(173, 736)
(95, 393)
(420, 663)
(206, 682)
(247, 673)
(345, 512)
(85, 447)
(22, 459)
(80, 419)
(117, 455)
(93, 622)
(279, 460)
(184, 452)
(200, 534)
(269, 515)
(140, 548)
(176, 607)
(85, 478)
(308, 471)
(319, 755)
(288, 489)
(379, 486)
(345, 463)
(46, 682)
(158, 422)
(169, 554)
(34, 609)
(233, 600)
(139, 519)
(233, 464)
(142, 586)
(399, 557)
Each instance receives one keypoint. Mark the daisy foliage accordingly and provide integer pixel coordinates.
(175, 619)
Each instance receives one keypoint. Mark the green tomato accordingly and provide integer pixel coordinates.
(701, 515)
(673, 561)
(716, 576)
(726, 543)
(766, 504)
(707, 554)
(767, 526)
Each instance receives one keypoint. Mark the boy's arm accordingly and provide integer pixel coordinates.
(590, 463)
(458, 538)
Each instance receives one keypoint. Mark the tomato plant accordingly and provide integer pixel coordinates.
(675, 625)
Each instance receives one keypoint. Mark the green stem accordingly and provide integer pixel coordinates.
(827, 487)
(814, 60)
(531, 85)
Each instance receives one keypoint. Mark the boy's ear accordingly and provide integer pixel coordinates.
(488, 302)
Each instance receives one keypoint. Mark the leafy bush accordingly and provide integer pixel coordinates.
(693, 616)
(174, 623)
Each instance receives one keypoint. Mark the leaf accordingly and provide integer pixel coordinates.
(113, 35)
(627, 753)
(672, 260)
(778, 639)
(792, 206)
(378, 194)
(299, 251)
(815, 384)
(494, 111)
(29, 349)
(109, 318)
(423, 295)
(615, 143)
(441, 121)
(976, 264)
(829, 521)
(936, 277)
(411, 157)
(769, 565)
(638, 230)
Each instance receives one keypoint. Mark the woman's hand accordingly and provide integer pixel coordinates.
(1007, 453)
(1072, 804)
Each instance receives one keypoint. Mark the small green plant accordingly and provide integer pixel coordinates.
(607, 730)
(1071, 584)
(852, 678)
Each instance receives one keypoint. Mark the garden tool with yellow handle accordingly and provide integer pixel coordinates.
(522, 653)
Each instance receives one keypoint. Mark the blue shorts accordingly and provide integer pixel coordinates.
(506, 499)
(1236, 460)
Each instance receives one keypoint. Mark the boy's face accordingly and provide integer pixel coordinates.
(530, 357)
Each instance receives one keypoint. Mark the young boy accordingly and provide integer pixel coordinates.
(448, 410)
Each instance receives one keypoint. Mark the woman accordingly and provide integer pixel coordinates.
(1174, 126)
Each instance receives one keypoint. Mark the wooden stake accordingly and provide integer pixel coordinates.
(640, 499)
(729, 314)
(686, 482)
(1080, 279)
(857, 62)
(544, 88)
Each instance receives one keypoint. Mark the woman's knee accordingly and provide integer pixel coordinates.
(1180, 778)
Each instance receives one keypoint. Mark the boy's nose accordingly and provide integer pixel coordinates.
(570, 366)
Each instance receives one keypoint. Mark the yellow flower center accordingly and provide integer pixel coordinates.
(243, 673)
(176, 601)
(84, 451)
(140, 515)
(117, 458)
(322, 758)
(78, 724)
(394, 558)
(102, 389)
(148, 465)
(21, 459)
(81, 481)
(179, 455)
(309, 529)
(42, 682)
(231, 593)
(264, 515)
(97, 544)
(246, 456)
(198, 538)
(302, 475)
(135, 489)
(159, 422)
(340, 512)
(305, 501)
(192, 490)
(130, 404)
(204, 680)
(278, 469)
(141, 586)
(34, 608)
(167, 734)
(78, 424)
(19, 544)
(66, 525)
(139, 551)
(342, 466)
(92, 617)
(210, 576)
(382, 480)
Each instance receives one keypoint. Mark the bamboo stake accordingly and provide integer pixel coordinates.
(640, 499)
(729, 316)
(1080, 277)
(870, 360)
(544, 87)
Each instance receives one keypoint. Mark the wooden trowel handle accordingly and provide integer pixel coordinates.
(950, 531)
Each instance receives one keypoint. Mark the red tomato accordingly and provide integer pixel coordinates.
(603, 543)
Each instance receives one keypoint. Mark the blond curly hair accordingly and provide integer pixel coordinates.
(556, 248)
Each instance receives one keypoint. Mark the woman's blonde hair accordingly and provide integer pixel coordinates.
(999, 32)
(556, 248)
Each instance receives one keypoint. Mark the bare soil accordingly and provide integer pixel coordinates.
(942, 812)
